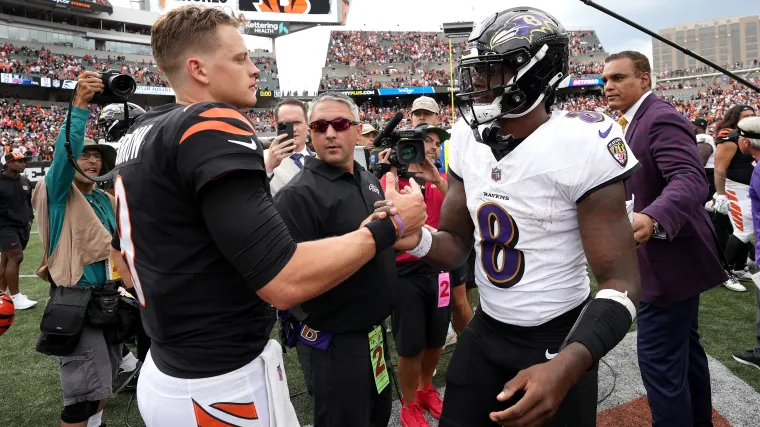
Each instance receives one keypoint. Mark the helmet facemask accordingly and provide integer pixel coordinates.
(485, 95)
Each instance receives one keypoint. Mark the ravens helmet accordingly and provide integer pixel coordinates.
(112, 119)
(514, 60)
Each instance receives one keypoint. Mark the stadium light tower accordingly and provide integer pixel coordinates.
(454, 31)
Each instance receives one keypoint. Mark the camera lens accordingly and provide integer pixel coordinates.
(407, 153)
(122, 85)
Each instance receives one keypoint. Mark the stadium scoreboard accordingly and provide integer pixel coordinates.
(325, 12)
(77, 5)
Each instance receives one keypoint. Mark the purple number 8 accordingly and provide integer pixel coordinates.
(586, 116)
(499, 234)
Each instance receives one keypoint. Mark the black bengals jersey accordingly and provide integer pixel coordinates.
(740, 169)
(203, 316)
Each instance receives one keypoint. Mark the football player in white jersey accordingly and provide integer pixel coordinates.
(541, 195)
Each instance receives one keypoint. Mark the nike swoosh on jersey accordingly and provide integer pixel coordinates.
(604, 134)
(550, 356)
(252, 145)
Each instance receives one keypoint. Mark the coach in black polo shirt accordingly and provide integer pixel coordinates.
(342, 344)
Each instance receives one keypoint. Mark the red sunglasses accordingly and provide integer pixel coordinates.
(339, 125)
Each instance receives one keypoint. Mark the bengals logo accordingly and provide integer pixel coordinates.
(295, 7)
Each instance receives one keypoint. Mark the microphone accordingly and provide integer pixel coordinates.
(388, 128)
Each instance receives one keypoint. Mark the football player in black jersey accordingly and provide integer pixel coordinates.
(205, 249)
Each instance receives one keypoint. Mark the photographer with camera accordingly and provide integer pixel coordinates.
(76, 221)
(422, 294)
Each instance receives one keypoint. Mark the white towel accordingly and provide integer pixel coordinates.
(281, 411)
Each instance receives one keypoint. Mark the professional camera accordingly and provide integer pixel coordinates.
(118, 87)
(407, 147)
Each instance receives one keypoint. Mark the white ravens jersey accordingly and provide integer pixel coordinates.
(704, 138)
(530, 264)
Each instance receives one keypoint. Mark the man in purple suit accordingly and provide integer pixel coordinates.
(676, 243)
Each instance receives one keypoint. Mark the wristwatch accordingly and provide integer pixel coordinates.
(656, 227)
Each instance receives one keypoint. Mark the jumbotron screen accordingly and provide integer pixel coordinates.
(303, 11)
(79, 5)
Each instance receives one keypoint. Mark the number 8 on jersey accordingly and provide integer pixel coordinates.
(503, 264)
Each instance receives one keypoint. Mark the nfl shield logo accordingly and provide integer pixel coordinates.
(496, 174)
(279, 371)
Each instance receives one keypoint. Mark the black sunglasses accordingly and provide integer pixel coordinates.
(339, 125)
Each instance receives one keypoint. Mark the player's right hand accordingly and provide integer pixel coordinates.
(279, 150)
(411, 205)
(722, 205)
(88, 84)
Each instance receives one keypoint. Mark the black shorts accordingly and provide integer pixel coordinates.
(14, 238)
(490, 353)
(418, 322)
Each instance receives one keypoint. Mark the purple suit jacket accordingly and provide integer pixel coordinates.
(671, 187)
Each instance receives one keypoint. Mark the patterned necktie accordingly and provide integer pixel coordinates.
(297, 159)
(623, 122)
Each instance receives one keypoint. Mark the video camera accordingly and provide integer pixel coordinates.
(407, 146)
(118, 87)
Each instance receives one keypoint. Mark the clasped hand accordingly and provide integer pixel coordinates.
(408, 203)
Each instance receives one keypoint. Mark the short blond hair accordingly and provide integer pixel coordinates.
(185, 29)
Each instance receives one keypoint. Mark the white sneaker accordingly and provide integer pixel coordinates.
(451, 336)
(734, 285)
(128, 363)
(742, 274)
(21, 302)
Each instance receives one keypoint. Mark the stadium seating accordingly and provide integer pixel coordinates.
(375, 59)
(34, 125)
(44, 61)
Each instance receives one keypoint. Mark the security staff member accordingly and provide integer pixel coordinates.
(342, 340)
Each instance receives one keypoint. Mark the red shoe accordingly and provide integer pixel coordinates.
(412, 415)
(430, 399)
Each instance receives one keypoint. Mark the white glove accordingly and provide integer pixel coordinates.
(710, 206)
(722, 205)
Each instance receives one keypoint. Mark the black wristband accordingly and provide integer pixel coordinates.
(384, 233)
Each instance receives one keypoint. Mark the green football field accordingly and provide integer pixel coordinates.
(30, 393)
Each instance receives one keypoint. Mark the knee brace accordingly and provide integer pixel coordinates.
(79, 412)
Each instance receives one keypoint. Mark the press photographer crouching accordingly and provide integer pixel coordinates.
(86, 318)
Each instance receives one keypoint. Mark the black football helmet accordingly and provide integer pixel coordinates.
(529, 45)
(112, 119)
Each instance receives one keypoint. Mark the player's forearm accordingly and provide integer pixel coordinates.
(443, 186)
(316, 267)
(447, 251)
(577, 359)
(122, 268)
(720, 181)
(461, 311)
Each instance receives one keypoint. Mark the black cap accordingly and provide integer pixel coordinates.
(700, 122)
(13, 156)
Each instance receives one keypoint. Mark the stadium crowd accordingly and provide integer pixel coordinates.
(42, 62)
(355, 48)
(693, 71)
(32, 127)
